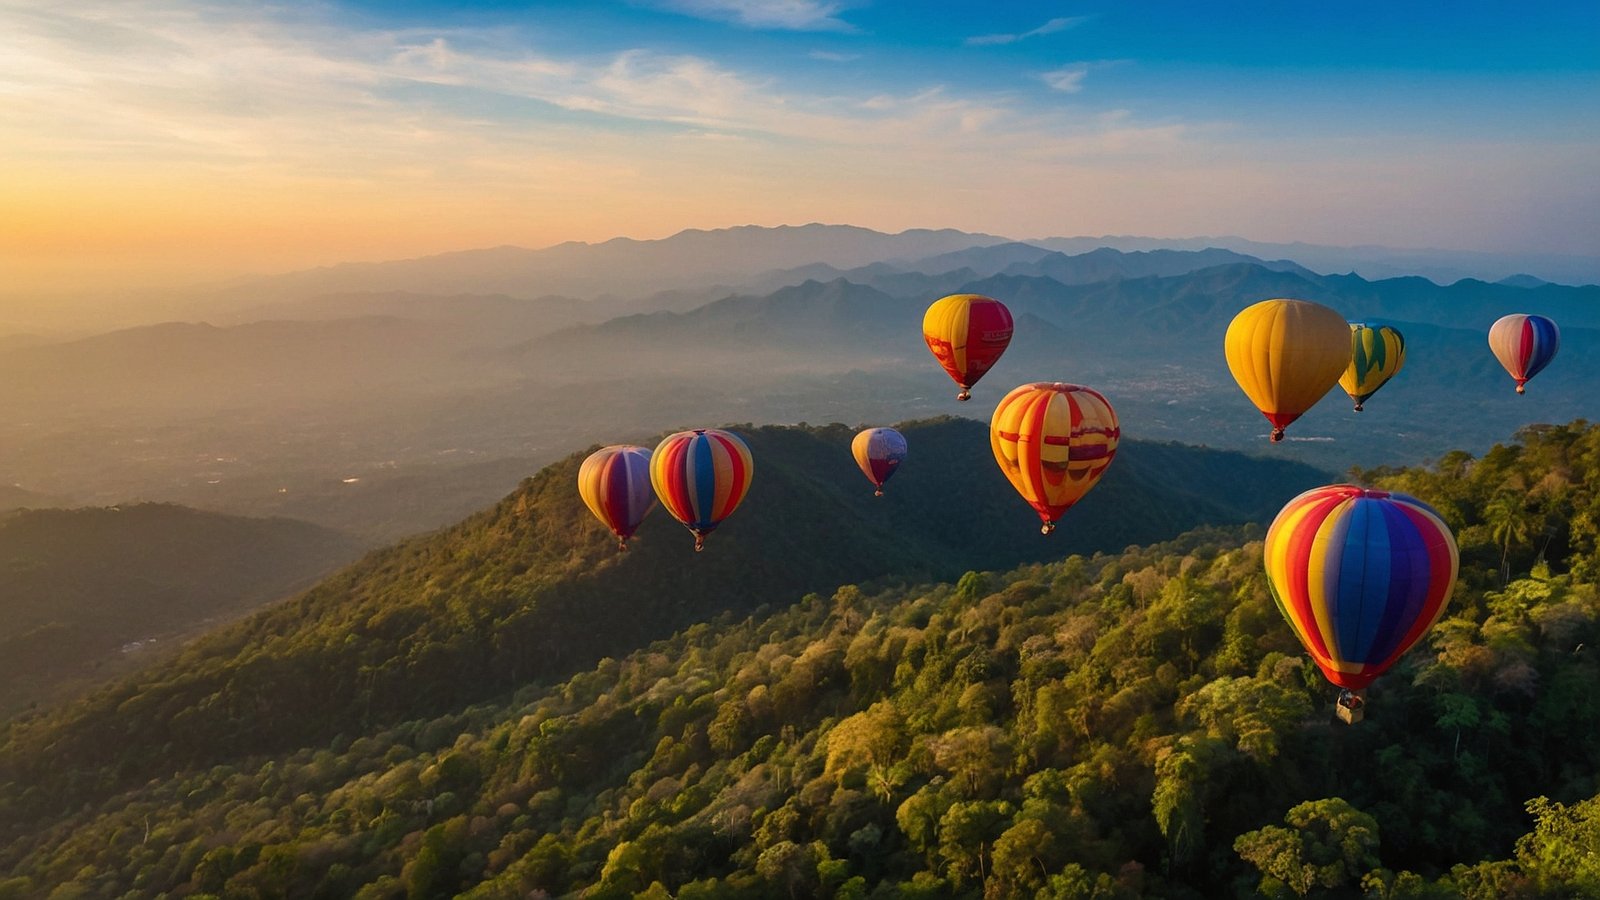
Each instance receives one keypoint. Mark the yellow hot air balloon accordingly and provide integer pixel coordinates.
(1377, 353)
(1286, 354)
(1053, 442)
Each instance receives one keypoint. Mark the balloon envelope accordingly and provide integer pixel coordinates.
(1286, 354)
(1377, 352)
(700, 477)
(1053, 442)
(879, 452)
(1360, 576)
(1524, 344)
(614, 483)
(967, 333)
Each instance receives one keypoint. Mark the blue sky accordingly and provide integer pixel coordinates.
(292, 134)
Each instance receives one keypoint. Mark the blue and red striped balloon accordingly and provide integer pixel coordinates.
(1360, 575)
(700, 477)
(614, 483)
(879, 452)
(1524, 345)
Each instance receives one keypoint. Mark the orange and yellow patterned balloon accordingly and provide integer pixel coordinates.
(1286, 354)
(1053, 442)
(701, 476)
(967, 333)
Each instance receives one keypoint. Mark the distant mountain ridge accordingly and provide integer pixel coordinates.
(738, 255)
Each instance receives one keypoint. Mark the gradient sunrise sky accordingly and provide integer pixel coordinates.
(166, 141)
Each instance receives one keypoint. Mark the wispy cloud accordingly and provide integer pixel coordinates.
(1068, 79)
(781, 15)
(830, 56)
(1051, 27)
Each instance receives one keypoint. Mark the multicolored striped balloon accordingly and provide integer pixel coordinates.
(879, 452)
(1286, 354)
(701, 476)
(1524, 344)
(1053, 442)
(967, 333)
(1360, 576)
(1377, 353)
(614, 483)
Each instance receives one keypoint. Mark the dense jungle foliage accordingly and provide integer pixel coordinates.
(1123, 725)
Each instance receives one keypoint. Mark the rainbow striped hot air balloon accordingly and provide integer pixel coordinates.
(614, 483)
(967, 333)
(879, 452)
(1053, 442)
(1376, 353)
(701, 476)
(1524, 344)
(1360, 576)
(1286, 354)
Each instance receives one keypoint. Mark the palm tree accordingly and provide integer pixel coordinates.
(1508, 522)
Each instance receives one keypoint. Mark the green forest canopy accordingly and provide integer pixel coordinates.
(1122, 725)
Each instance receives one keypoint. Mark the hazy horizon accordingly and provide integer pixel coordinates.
(166, 143)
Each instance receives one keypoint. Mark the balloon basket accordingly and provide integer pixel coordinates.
(1358, 407)
(1351, 707)
(1277, 435)
(1521, 389)
(1047, 528)
(967, 395)
(699, 543)
(878, 492)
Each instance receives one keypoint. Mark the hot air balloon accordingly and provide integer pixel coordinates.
(879, 452)
(1286, 354)
(1524, 345)
(1053, 442)
(1377, 353)
(967, 333)
(615, 484)
(701, 476)
(1360, 575)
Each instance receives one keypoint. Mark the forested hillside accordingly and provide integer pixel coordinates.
(534, 588)
(1129, 724)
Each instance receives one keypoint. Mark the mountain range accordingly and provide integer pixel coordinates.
(388, 412)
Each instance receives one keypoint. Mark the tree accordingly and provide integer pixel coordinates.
(1509, 523)
(874, 739)
(1328, 843)
(1562, 854)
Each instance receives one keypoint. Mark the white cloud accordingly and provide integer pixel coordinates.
(830, 56)
(1068, 79)
(782, 15)
(1051, 27)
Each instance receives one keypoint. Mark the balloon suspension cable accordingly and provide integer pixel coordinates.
(1277, 435)
(1047, 527)
(967, 394)
(699, 542)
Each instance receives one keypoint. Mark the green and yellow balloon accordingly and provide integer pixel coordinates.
(1376, 353)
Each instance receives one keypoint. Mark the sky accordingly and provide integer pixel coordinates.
(150, 142)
